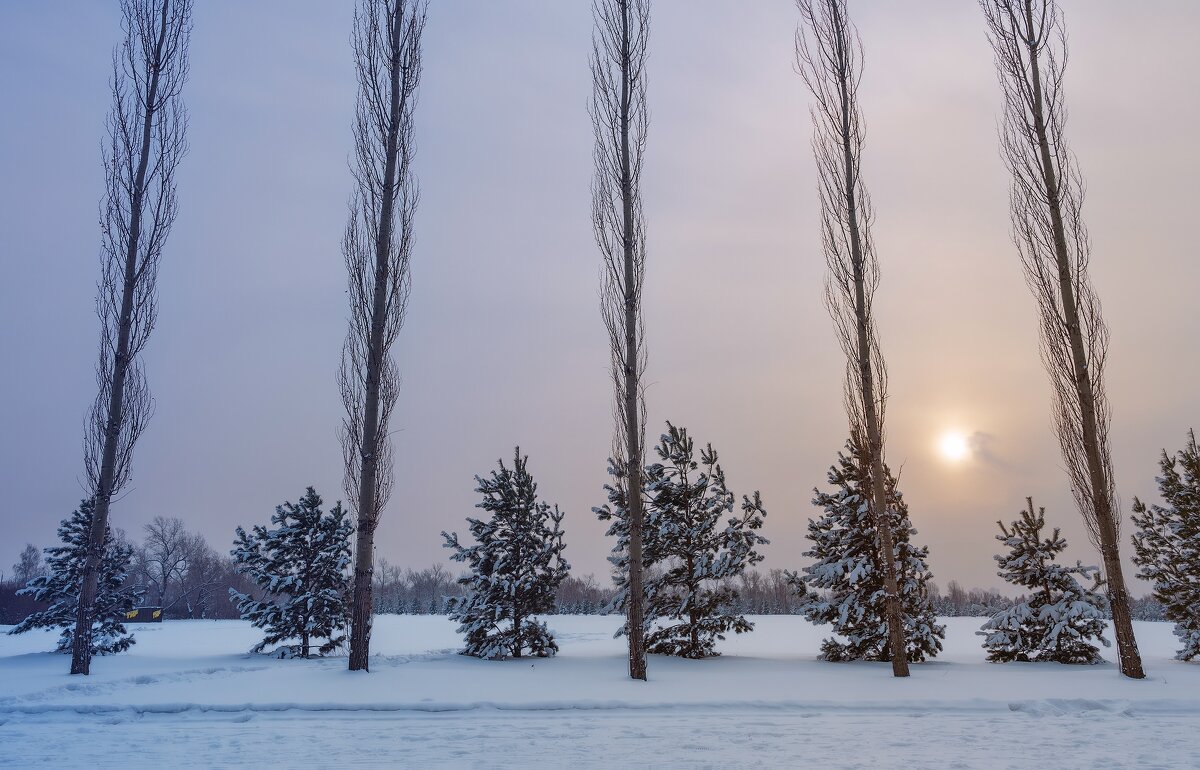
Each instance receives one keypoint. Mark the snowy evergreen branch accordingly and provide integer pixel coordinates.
(301, 565)
(516, 565)
(691, 559)
(844, 587)
(1059, 618)
(1167, 544)
(59, 587)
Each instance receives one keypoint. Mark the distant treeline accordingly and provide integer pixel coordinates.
(985, 602)
(182, 573)
(427, 591)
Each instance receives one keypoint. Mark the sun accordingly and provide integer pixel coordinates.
(953, 446)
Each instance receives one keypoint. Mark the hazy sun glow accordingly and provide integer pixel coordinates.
(953, 446)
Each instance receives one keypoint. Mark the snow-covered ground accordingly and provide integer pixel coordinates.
(188, 695)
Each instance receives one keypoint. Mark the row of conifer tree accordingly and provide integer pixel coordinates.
(698, 541)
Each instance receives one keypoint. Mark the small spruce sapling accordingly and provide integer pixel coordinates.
(1058, 620)
(844, 587)
(301, 567)
(515, 566)
(1167, 544)
(59, 587)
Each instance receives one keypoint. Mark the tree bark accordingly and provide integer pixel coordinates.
(883, 524)
(633, 436)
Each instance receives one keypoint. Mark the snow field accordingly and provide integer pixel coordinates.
(188, 695)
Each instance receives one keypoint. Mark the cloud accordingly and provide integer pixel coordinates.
(983, 447)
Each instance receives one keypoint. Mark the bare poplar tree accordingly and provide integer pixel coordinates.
(377, 247)
(1046, 201)
(146, 140)
(619, 120)
(175, 566)
(829, 59)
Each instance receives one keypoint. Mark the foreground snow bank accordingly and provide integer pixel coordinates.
(768, 683)
(203, 666)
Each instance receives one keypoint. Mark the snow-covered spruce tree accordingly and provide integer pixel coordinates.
(845, 586)
(616, 512)
(1058, 619)
(689, 562)
(1167, 544)
(688, 499)
(516, 566)
(301, 566)
(59, 587)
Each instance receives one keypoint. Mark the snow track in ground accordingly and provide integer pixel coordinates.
(618, 738)
(1051, 706)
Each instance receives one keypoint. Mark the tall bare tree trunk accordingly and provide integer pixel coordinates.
(829, 59)
(146, 128)
(619, 120)
(1046, 201)
(377, 245)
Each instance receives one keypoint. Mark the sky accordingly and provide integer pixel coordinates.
(504, 343)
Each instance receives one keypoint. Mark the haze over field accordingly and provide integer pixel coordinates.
(504, 344)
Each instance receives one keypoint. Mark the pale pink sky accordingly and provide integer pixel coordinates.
(504, 342)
